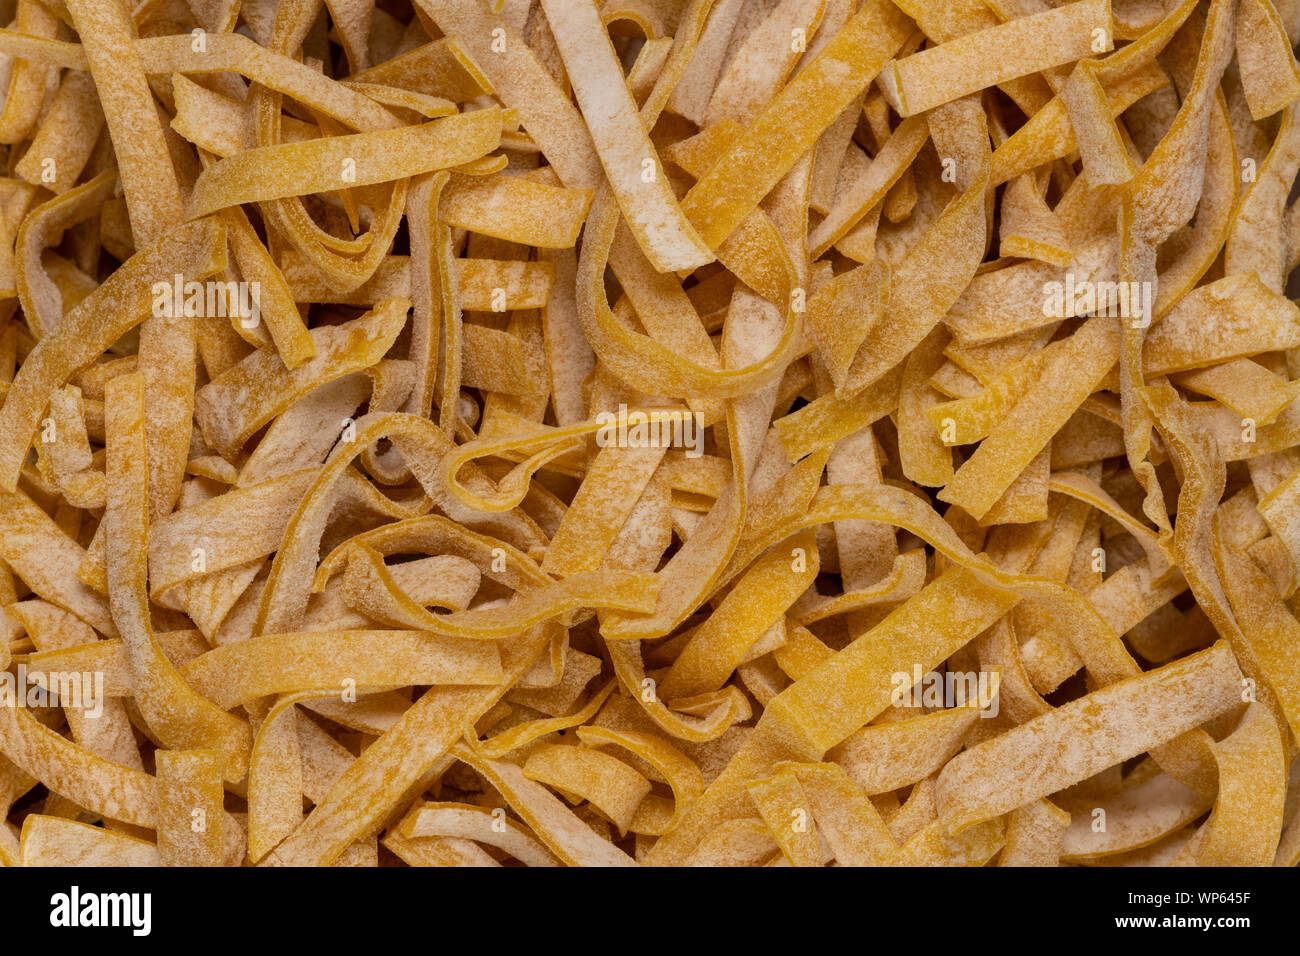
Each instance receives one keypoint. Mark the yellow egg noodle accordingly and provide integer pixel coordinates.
(649, 432)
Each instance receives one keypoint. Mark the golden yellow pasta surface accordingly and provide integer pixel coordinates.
(649, 432)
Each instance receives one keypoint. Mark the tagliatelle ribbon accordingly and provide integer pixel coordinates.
(1252, 762)
(57, 841)
(1026, 426)
(769, 146)
(1000, 53)
(469, 822)
(363, 159)
(173, 709)
(1047, 754)
(621, 142)
(91, 781)
(191, 828)
(1137, 815)
(288, 663)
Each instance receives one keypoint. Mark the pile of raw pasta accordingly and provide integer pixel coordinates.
(713, 432)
